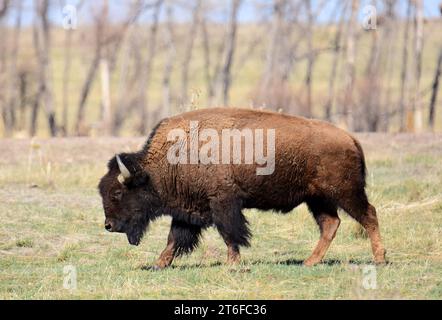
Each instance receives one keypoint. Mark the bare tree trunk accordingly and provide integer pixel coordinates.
(101, 40)
(371, 112)
(432, 111)
(273, 49)
(196, 18)
(66, 74)
(350, 65)
(34, 115)
(404, 70)
(145, 119)
(368, 115)
(247, 54)
(4, 7)
(107, 47)
(13, 90)
(310, 60)
(36, 100)
(120, 113)
(80, 128)
(388, 38)
(111, 122)
(275, 90)
(207, 60)
(289, 47)
(334, 72)
(417, 124)
(115, 38)
(42, 39)
(126, 97)
(168, 68)
(23, 92)
(49, 99)
(105, 96)
(66, 77)
(211, 76)
(230, 51)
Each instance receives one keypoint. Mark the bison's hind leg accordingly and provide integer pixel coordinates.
(358, 207)
(232, 225)
(326, 216)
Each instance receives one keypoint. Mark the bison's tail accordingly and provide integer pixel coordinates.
(363, 162)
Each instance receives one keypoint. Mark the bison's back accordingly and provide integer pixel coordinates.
(312, 159)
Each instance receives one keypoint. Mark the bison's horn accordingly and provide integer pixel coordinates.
(125, 173)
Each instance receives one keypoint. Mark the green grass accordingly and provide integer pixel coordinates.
(51, 220)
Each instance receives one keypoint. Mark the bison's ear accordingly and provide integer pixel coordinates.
(131, 172)
(139, 179)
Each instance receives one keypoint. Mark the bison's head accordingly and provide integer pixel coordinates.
(129, 199)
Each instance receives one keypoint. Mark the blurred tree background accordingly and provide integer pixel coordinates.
(110, 67)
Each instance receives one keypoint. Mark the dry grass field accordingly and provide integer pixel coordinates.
(51, 217)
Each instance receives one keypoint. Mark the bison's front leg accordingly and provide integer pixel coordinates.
(233, 254)
(232, 225)
(167, 256)
(183, 239)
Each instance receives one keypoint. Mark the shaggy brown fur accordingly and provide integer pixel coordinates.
(316, 163)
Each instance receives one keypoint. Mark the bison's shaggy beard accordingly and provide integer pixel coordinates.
(136, 228)
(148, 209)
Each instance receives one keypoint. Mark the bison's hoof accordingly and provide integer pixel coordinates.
(381, 262)
(153, 268)
(310, 263)
(157, 268)
(239, 269)
(381, 258)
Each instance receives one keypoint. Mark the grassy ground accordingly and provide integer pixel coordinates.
(52, 218)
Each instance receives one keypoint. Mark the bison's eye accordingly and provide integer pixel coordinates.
(117, 195)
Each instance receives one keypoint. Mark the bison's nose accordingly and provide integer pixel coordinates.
(108, 227)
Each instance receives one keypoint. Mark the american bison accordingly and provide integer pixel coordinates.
(314, 163)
